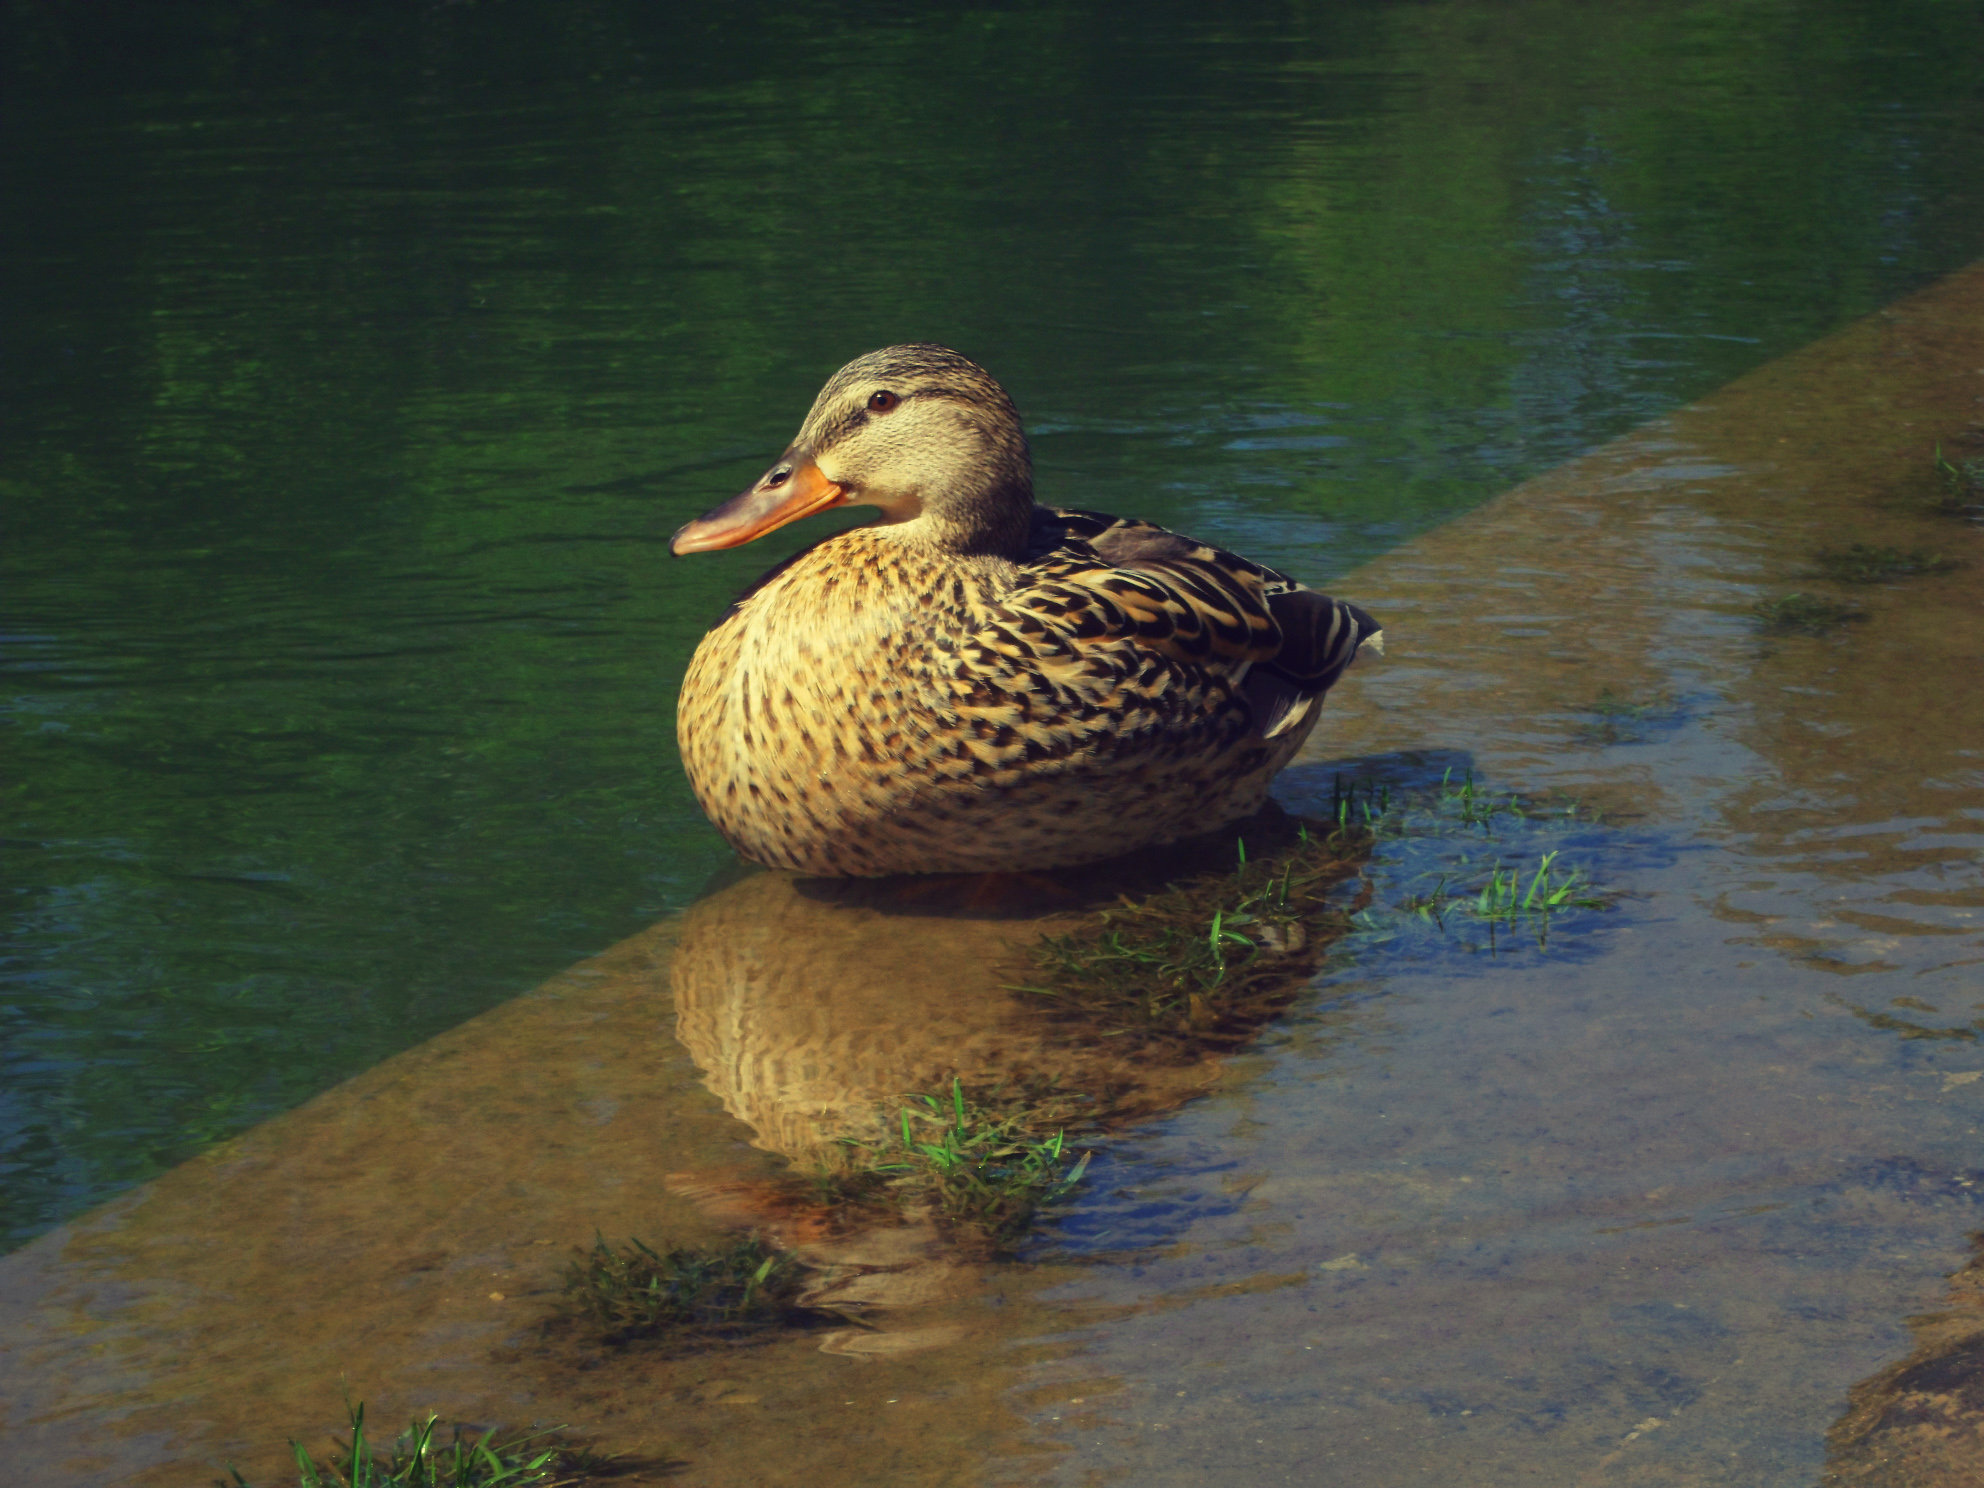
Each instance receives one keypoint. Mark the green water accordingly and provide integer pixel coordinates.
(355, 365)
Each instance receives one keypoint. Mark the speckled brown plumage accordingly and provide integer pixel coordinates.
(890, 702)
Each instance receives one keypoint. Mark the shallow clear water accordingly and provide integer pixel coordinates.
(1642, 1206)
(355, 364)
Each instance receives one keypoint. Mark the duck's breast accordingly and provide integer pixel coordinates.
(809, 712)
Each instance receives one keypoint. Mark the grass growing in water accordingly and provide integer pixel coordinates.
(1622, 720)
(416, 1460)
(1962, 486)
(1506, 897)
(1356, 816)
(1608, 704)
(987, 1161)
(1205, 962)
(1804, 614)
(1199, 963)
(1864, 564)
(722, 1292)
(1512, 896)
(1474, 807)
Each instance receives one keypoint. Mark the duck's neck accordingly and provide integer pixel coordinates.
(994, 522)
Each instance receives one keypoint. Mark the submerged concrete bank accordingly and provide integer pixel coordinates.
(401, 1233)
(1849, 793)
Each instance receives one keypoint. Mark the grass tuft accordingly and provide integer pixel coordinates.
(1206, 961)
(1804, 614)
(415, 1459)
(1512, 896)
(1962, 493)
(986, 1160)
(1864, 564)
(1474, 807)
(695, 1294)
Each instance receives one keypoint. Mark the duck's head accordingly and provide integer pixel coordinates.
(919, 431)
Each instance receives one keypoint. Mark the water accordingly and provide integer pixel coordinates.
(356, 367)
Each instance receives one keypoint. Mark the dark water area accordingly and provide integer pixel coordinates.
(356, 363)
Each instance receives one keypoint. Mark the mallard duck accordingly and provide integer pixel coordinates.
(973, 682)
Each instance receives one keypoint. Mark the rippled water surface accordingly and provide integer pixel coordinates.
(356, 367)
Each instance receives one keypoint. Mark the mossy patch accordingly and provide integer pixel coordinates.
(689, 1296)
(1889, 1023)
(1862, 563)
(1206, 961)
(1959, 486)
(1804, 614)
(1617, 719)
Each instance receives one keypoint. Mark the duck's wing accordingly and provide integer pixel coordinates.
(1095, 581)
(1320, 638)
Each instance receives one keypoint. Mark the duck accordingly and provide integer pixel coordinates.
(972, 682)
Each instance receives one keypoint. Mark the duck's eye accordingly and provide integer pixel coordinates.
(882, 402)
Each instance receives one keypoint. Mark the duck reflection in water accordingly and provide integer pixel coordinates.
(816, 1008)
(810, 1007)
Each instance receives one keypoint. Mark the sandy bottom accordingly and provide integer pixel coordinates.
(1651, 1203)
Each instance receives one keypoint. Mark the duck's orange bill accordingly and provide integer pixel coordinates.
(785, 494)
